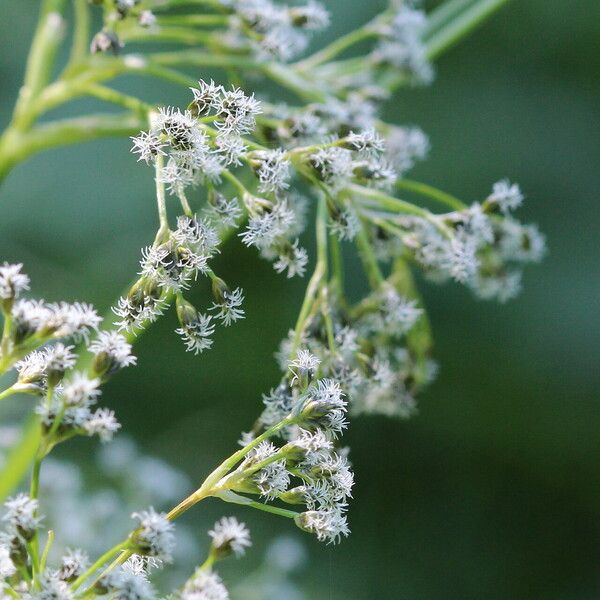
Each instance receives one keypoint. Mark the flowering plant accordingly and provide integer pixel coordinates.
(229, 165)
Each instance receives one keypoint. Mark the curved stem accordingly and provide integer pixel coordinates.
(160, 195)
(311, 295)
(46, 40)
(101, 561)
(431, 192)
(336, 47)
(81, 31)
(460, 25)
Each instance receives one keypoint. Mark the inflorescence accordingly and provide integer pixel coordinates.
(266, 170)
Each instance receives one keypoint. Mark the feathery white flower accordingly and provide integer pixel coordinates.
(196, 334)
(229, 310)
(204, 585)
(506, 195)
(22, 515)
(80, 390)
(102, 423)
(148, 146)
(293, 259)
(229, 535)
(73, 564)
(154, 535)
(273, 170)
(12, 281)
(305, 363)
(112, 351)
(329, 525)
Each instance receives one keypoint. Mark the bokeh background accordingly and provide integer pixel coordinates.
(493, 490)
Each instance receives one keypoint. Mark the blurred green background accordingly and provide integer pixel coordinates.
(493, 490)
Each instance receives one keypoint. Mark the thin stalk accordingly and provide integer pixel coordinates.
(109, 95)
(64, 132)
(185, 205)
(368, 258)
(209, 562)
(5, 344)
(311, 295)
(47, 546)
(8, 392)
(198, 58)
(42, 55)
(33, 493)
(193, 20)
(336, 47)
(160, 195)
(430, 192)
(234, 498)
(108, 555)
(389, 202)
(461, 25)
(179, 35)
(81, 31)
(444, 13)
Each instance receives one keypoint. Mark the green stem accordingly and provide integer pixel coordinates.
(444, 13)
(47, 546)
(311, 295)
(63, 132)
(234, 498)
(460, 25)
(290, 79)
(81, 31)
(18, 461)
(179, 35)
(193, 20)
(337, 261)
(160, 194)
(109, 95)
(336, 47)
(431, 192)
(368, 258)
(8, 392)
(108, 555)
(389, 202)
(42, 55)
(198, 58)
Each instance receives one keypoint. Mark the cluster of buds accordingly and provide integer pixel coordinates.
(308, 469)
(482, 246)
(168, 268)
(274, 31)
(38, 333)
(120, 14)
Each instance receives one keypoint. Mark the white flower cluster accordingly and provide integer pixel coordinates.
(53, 320)
(154, 535)
(116, 12)
(204, 585)
(229, 535)
(274, 31)
(375, 359)
(12, 281)
(486, 247)
(46, 366)
(192, 154)
(401, 44)
(307, 470)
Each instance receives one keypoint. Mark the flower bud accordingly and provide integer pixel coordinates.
(296, 495)
(104, 41)
(220, 290)
(186, 312)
